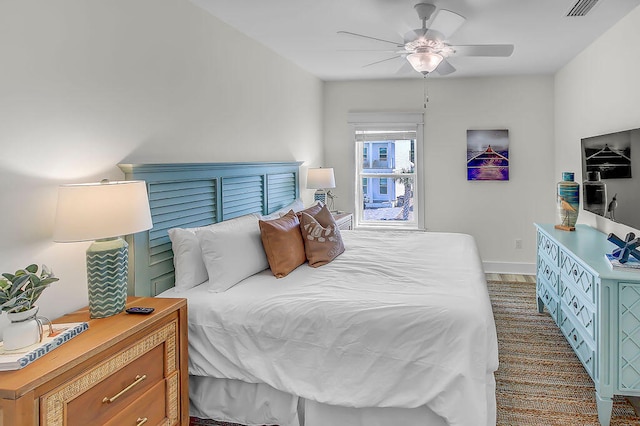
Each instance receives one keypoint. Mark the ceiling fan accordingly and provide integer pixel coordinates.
(426, 48)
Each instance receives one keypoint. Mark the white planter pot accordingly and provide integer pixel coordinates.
(24, 330)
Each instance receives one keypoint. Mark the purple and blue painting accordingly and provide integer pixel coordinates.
(487, 155)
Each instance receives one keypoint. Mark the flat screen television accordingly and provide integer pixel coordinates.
(611, 176)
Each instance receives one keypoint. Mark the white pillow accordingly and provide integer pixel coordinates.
(187, 258)
(232, 251)
(296, 206)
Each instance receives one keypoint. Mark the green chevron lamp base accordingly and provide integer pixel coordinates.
(107, 275)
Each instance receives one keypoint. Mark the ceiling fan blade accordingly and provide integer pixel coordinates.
(372, 50)
(444, 68)
(405, 68)
(446, 23)
(413, 35)
(502, 50)
(383, 60)
(395, 43)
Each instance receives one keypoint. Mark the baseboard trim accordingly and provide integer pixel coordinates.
(509, 268)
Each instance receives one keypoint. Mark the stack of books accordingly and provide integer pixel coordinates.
(632, 264)
(19, 358)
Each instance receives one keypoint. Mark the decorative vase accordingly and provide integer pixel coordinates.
(567, 202)
(595, 194)
(24, 330)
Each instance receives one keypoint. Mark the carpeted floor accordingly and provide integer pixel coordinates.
(540, 381)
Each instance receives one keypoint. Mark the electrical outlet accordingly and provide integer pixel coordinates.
(518, 243)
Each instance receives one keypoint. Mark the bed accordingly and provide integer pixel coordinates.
(398, 329)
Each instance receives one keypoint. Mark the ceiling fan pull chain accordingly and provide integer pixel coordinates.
(425, 91)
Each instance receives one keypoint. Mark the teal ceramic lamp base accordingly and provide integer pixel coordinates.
(320, 195)
(107, 275)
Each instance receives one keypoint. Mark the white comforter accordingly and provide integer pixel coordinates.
(400, 319)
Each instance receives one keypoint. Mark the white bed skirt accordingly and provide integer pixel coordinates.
(259, 404)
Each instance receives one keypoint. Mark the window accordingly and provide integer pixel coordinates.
(388, 195)
(383, 186)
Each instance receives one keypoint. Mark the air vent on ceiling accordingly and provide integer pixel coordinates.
(582, 7)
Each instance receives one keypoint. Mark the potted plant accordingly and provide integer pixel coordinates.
(18, 294)
(19, 291)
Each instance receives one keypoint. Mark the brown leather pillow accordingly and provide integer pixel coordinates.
(282, 241)
(322, 239)
(311, 211)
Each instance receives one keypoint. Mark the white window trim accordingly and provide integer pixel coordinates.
(390, 120)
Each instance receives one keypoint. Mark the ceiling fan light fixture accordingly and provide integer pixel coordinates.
(424, 62)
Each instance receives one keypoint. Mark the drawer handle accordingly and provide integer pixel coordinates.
(141, 421)
(575, 338)
(139, 379)
(575, 272)
(575, 305)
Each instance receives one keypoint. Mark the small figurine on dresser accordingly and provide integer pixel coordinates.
(619, 257)
(611, 208)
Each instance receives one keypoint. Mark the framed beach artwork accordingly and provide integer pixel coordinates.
(488, 154)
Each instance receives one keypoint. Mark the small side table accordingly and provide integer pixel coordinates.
(138, 362)
(343, 220)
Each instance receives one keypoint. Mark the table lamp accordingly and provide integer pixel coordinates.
(321, 179)
(103, 211)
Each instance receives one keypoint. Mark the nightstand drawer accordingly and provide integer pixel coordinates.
(344, 221)
(109, 396)
(149, 409)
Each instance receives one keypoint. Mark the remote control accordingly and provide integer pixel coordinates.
(139, 310)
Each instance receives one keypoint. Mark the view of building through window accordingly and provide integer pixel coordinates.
(386, 167)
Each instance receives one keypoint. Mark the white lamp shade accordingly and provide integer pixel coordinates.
(424, 62)
(99, 210)
(321, 178)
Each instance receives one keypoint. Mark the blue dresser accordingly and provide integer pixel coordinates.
(597, 309)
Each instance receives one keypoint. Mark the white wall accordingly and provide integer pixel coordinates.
(495, 213)
(598, 92)
(88, 84)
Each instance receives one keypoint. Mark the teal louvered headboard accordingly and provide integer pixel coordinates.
(188, 195)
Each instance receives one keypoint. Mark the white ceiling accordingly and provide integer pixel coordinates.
(305, 32)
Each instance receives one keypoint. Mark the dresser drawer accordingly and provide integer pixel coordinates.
(575, 274)
(108, 397)
(581, 311)
(549, 273)
(548, 298)
(549, 248)
(581, 346)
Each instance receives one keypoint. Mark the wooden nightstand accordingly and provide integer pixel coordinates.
(122, 370)
(343, 220)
